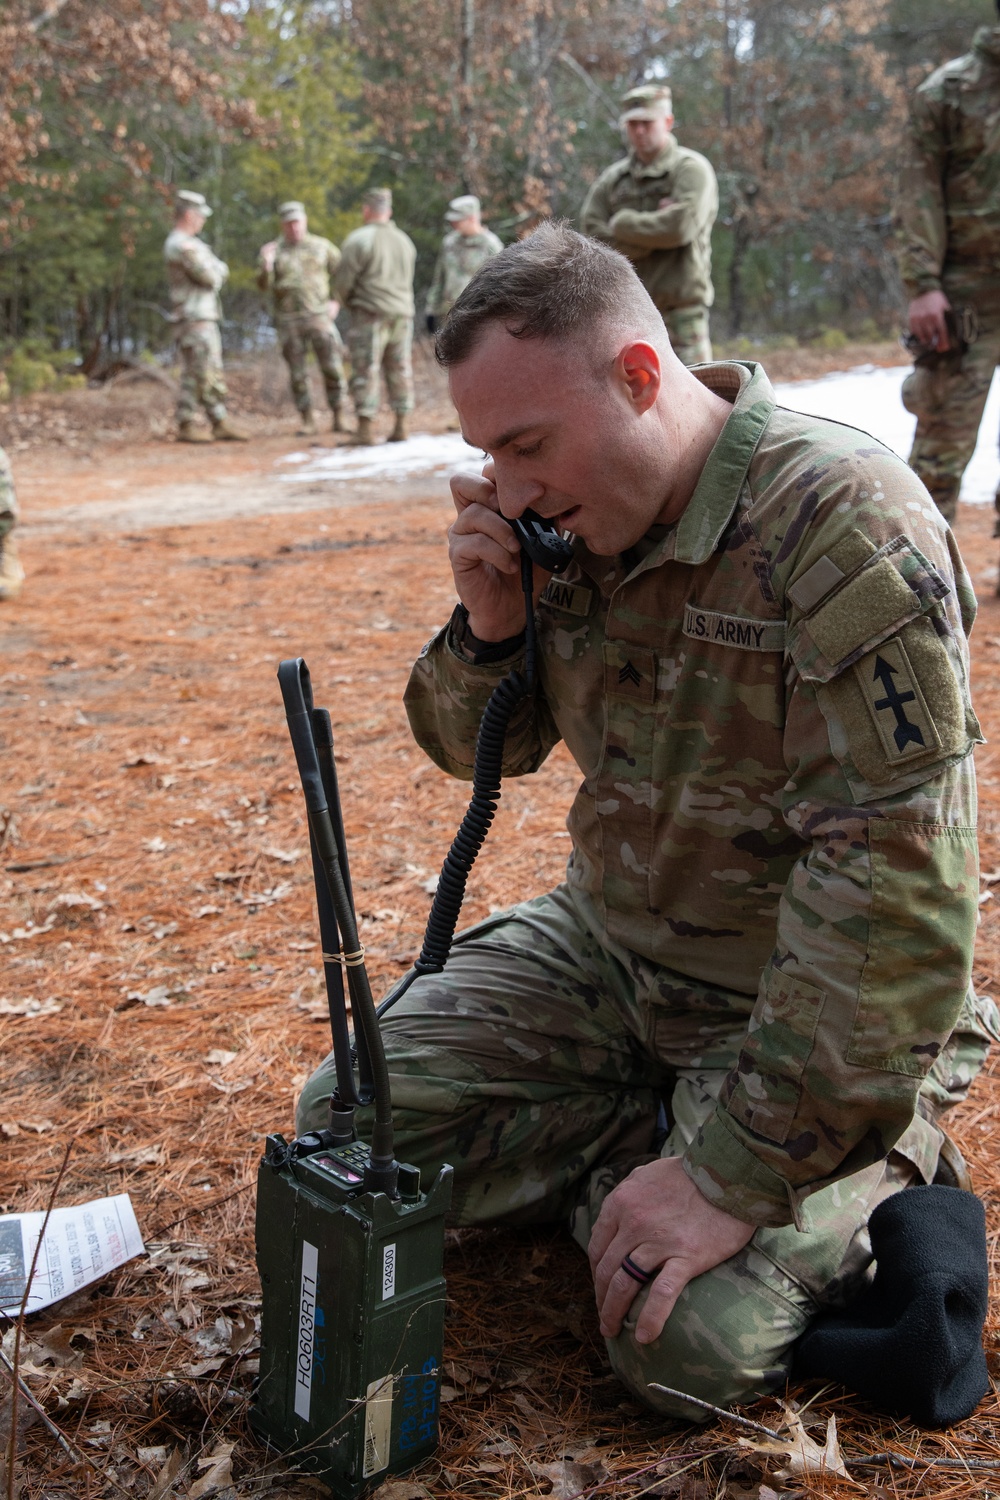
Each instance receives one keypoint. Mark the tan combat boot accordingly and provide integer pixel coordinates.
(364, 437)
(190, 432)
(337, 425)
(307, 427)
(398, 433)
(11, 571)
(225, 432)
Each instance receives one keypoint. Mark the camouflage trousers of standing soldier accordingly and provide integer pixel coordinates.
(377, 345)
(947, 395)
(536, 1065)
(319, 333)
(202, 381)
(689, 336)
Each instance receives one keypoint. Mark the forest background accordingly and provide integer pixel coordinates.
(106, 108)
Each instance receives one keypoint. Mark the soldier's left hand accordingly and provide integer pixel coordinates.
(658, 1217)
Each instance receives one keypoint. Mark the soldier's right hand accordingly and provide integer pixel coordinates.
(268, 252)
(927, 321)
(485, 558)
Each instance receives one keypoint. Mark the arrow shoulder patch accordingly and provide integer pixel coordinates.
(900, 713)
(896, 704)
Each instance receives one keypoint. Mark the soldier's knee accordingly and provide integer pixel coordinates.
(729, 1339)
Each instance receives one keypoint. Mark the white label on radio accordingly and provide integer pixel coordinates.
(389, 1271)
(307, 1331)
(378, 1426)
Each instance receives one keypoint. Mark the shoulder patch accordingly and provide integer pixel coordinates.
(896, 704)
(574, 598)
(733, 630)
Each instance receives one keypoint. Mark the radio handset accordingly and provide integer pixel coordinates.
(541, 541)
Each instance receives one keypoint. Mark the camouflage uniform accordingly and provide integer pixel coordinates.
(459, 258)
(949, 211)
(670, 248)
(194, 276)
(300, 279)
(375, 284)
(769, 910)
(11, 572)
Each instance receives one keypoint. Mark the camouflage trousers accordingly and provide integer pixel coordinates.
(319, 333)
(689, 335)
(376, 345)
(11, 571)
(536, 1065)
(202, 380)
(947, 395)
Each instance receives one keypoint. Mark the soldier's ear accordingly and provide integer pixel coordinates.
(638, 367)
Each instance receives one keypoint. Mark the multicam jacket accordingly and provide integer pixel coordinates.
(949, 197)
(8, 500)
(300, 277)
(671, 248)
(769, 706)
(194, 276)
(376, 271)
(459, 258)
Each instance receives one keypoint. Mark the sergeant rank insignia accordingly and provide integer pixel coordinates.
(896, 703)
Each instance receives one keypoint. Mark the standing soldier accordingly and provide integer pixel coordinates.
(657, 206)
(195, 275)
(949, 213)
(298, 270)
(375, 284)
(11, 572)
(466, 247)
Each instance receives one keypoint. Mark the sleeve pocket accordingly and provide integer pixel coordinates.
(925, 891)
(779, 1043)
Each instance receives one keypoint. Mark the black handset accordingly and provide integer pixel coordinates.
(542, 542)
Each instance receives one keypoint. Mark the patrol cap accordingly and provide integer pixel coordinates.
(186, 199)
(291, 210)
(462, 207)
(650, 101)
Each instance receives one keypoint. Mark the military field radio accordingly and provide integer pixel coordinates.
(349, 1243)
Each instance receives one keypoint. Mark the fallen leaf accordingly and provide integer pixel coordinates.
(29, 1007)
(55, 1348)
(70, 899)
(139, 1156)
(286, 856)
(147, 759)
(568, 1478)
(154, 845)
(219, 1057)
(165, 1479)
(216, 1472)
(244, 1332)
(402, 1489)
(208, 911)
(151, 1455)
(804, 1454)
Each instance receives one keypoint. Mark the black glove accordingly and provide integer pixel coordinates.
(912, 1342)
(432, 324)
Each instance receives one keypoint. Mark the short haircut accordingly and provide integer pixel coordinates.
(553, 284)
(380, 199)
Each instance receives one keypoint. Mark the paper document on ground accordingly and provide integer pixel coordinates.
(81, 1244)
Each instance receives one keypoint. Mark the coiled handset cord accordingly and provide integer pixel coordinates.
(487, 773)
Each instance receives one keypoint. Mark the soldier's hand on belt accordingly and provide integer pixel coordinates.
(485, 558)
(657, 1217)
(927, 320)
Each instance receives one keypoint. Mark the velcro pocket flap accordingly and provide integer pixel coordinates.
(895, 586)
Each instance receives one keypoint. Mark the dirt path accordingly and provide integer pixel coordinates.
(161, 1001)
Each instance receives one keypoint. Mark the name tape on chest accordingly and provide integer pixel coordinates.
(574, 598)
(733, 630)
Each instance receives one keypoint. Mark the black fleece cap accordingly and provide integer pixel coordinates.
(911, 1343)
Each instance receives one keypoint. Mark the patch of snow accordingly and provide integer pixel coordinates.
(424, 453)
(869, 398)
(865, 397)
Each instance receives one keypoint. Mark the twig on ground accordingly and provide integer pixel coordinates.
(718, 1411)
(15, 1388)
(899, 1461)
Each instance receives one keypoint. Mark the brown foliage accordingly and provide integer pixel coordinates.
(87, 66)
